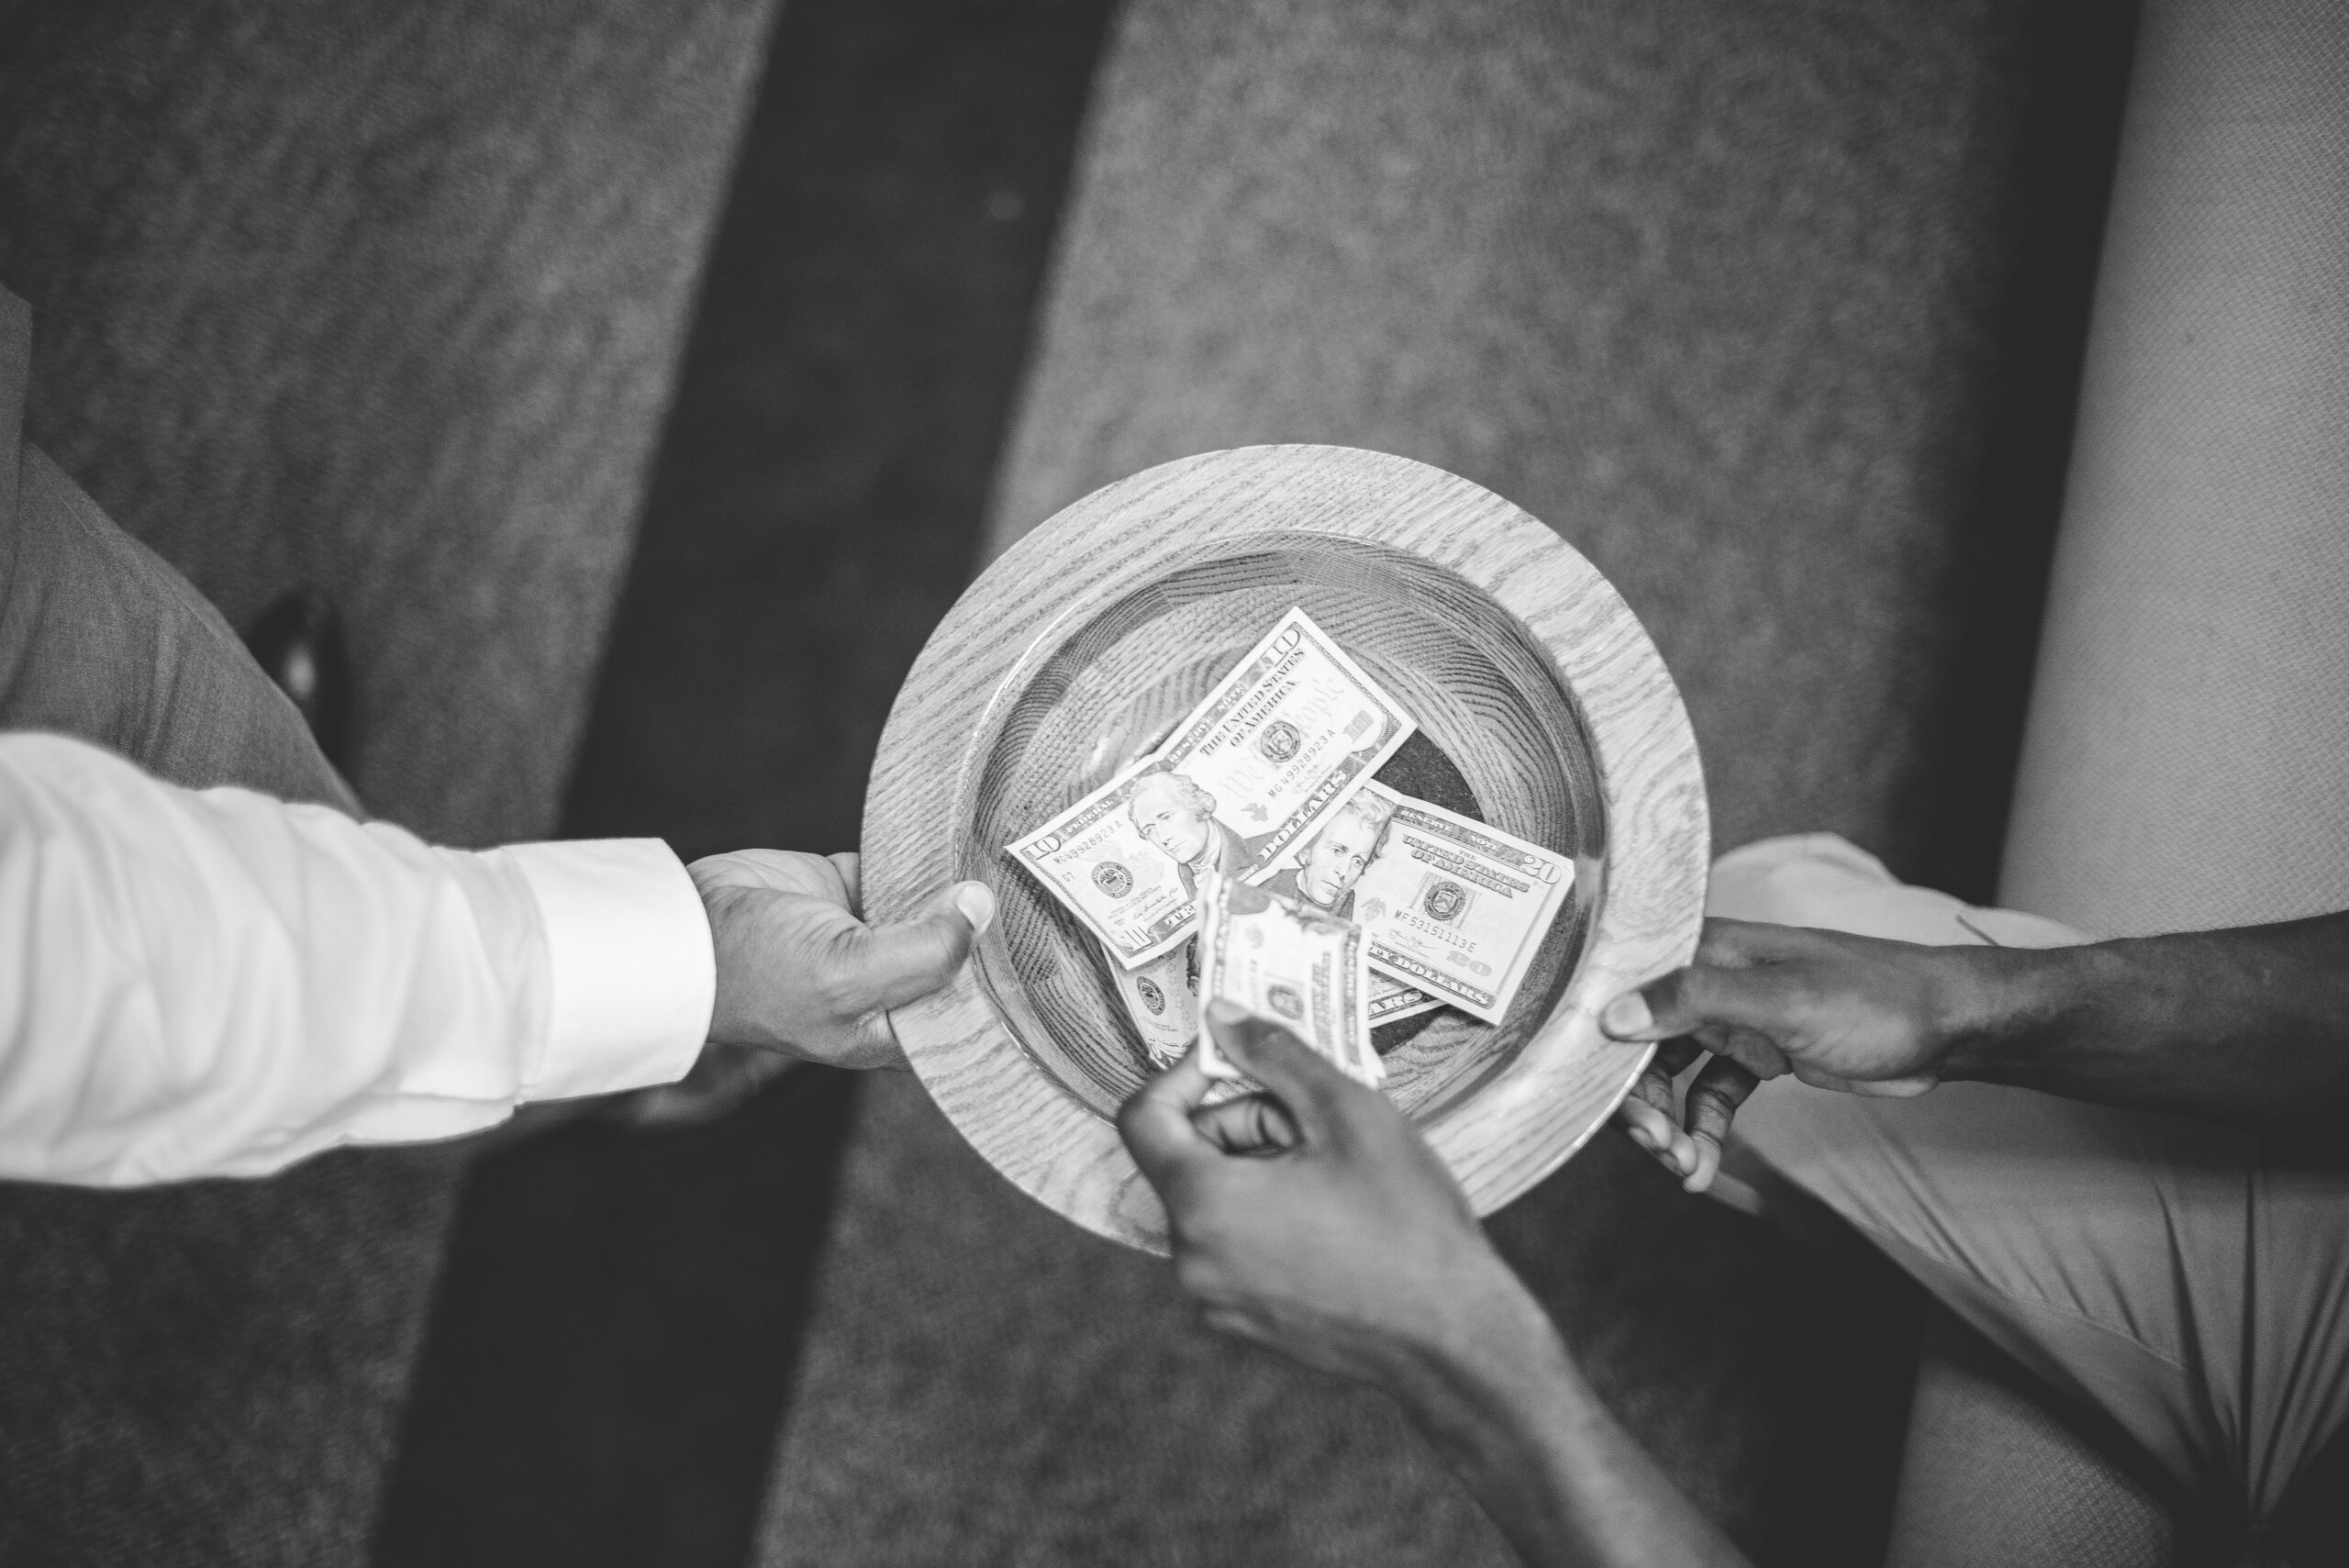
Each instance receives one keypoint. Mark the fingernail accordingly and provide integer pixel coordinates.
(976, 901)
(1709, 1162)
(1223, 1010)
(1625, 1016)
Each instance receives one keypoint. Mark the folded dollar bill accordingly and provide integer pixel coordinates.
(1448, 906)
(1162, 998)
(1280, 744)
(1296, 966)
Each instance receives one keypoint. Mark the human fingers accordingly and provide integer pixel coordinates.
(894, 964)
(852, 873)
(1669, 1060)
(1650, 1114)
(1253, 1124)
(1737, 944)
(775, 871)
(1310, 1087)
(1719, 1088)
(1657, 1131)
(1157, 1125)
(1723, 1005)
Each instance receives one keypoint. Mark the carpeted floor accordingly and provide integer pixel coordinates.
(382, 298)
(608, 1360)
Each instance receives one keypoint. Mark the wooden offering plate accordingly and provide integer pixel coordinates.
(1542, 709)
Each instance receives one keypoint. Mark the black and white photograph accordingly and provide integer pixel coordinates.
(1174, 783)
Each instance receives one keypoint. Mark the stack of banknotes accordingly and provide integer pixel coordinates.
(1253, 857)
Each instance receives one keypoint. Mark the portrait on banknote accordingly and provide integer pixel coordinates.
(1282, 742)
(1323, 874)
(1175, 814)
(1284, 739)
(1456, 907)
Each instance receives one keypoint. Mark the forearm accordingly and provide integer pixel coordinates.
(217, 983)
(1515, 1420)
(2248, 1026)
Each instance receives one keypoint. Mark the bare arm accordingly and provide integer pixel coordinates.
(1315, 1222)
(2248, 1026)
(1546, 1460)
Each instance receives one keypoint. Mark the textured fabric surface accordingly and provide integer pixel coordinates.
(1995, 1480)
(385, 299)
(212, 1373)
(1724, 293)
(99, 638)
(2190, 729)
(821, 485)
(102, 641)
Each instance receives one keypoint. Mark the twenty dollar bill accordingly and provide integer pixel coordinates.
(1392, 1001)
(1454, 908)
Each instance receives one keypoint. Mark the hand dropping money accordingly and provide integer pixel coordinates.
(1298, 967)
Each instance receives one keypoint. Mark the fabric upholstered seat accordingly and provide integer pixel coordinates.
(2190, 729)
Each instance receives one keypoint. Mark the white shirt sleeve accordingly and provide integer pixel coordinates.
(215, 982)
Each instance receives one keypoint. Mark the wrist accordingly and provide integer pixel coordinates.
(1998, 1009)
(1492, 1371)
(734, 1016)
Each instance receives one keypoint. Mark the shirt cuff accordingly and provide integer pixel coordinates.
(632, 973)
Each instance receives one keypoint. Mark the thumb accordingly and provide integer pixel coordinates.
(1157, 1123)
(1311, 1088)
(1693, 1000)
(898, 964)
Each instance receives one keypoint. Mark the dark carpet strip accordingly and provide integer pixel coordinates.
(609, 1361)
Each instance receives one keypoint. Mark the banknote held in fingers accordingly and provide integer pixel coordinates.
(1297, 967)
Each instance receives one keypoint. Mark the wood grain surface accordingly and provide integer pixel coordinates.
(1078, 650)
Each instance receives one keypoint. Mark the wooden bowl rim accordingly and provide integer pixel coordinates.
(1567, 1078)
